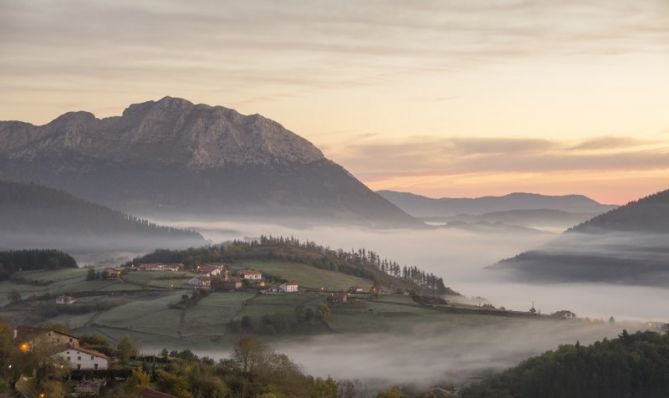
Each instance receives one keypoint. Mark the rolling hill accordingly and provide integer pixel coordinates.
(627, 245)
(172, 158)
(34, 216)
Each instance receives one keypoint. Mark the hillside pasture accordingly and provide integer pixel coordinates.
(306, 275)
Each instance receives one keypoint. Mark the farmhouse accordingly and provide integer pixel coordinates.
(200, 282)
(84, 358)
(232, 284)
(249, 274)
(111, 273)
(564, 314)
(338, 297)
(212, 270)
(28, 336)
(356, 289)
(160, 267)
(289, 287)
(65, 300)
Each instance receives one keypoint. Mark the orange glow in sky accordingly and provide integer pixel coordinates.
(457, 98)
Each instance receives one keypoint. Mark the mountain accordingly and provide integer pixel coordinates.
(527, 210)
(424, 207)
(171, 158)
(34, 216)
(628, 245)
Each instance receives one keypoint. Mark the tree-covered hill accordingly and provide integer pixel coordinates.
(630, 366)
(362, 263)
(625, 245)
(30, 260)
(32, 215)
(648, 215)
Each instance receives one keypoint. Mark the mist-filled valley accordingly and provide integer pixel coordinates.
(334, 199)
(462, 258)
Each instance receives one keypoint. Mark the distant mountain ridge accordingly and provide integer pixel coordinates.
(172, 157)
(33, 216)
(629, 245)
(512, 212)
(422, 206)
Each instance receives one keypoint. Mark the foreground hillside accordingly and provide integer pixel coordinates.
(627, 245)
(171, 158)
(32, 215)
(630, 366)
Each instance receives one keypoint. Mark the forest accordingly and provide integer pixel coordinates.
(629, 366)
(12, 261)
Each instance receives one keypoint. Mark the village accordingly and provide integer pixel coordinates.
(91, 368)
(218, 301)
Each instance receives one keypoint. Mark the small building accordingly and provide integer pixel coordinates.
(154, 267)
(249, 274)
(289, 287)
(65, 300)
(200, 282)
(338, 298)
(232, 284)
(111, 273)
(356, 289)
(563, 314)
(212, 270)
(84, 358)
(25, 337)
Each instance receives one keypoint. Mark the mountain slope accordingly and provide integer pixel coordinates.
(171, 157)
(35, 216)
(627, 245)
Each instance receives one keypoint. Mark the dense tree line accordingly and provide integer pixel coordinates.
(363, 263)
(630, 366)
(29, 260)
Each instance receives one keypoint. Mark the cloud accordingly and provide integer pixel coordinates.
(606, 143)
(425, 156)
(324, 43)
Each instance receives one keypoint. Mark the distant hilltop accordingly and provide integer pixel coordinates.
(174, 158)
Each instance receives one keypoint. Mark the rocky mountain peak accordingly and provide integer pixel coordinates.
(172, 131)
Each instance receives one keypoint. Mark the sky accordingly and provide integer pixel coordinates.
(442, 98)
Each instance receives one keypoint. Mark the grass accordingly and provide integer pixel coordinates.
(157, 278)
(284, 304)
(147, 318)
(306, 275)
(211, 315)
(151, 315)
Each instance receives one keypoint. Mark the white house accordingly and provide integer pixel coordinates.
(289, 287)
(153, 267)
(200, 282)
(211, 270)
(250, 274)
(84, 358)
(65, 300)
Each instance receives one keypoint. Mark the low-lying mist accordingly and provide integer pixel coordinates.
(431, 355)
(461, 256)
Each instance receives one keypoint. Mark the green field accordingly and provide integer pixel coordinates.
(211, 315)
(139, 306)
(306, 275)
